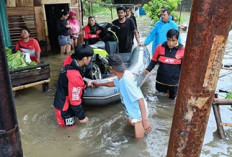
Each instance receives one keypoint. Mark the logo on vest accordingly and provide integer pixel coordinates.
(69, 121)
(168, 60)
(177, 57)
(76, 93)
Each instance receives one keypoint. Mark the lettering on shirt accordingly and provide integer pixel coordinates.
(76, 93)
(168, 60)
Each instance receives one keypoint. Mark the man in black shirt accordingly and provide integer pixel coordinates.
(127, 29)
(130, 15)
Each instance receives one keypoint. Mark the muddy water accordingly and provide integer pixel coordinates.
(106, 134)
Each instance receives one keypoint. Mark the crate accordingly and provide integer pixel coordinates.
(30, 76)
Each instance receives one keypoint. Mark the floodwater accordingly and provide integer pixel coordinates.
(107, 134)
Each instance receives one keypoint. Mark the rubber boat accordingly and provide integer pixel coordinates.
(136, 62)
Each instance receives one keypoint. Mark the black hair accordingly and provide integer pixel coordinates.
(63, 12)
(82, 51)
(128, 7)
(121, 8)
(173, 33)
(25, 28)
(91, 17)
(166, 10)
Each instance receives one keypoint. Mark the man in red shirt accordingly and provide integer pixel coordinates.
(29, 45)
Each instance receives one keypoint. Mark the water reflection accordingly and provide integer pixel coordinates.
(107, 134)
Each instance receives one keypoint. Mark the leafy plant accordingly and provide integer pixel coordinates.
(153, 8)
(229, 95)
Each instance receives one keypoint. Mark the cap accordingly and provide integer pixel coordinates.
(116, 62)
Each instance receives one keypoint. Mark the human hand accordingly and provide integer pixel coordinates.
(89, 84)
(147, 127)
(143, 45)
(94, 84)
(146, 72)
(68, 26)
(84, 120)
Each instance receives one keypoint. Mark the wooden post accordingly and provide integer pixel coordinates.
(209, 26)
(10, 143)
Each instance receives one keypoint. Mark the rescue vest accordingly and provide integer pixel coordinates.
(160, 56)
(88, 35)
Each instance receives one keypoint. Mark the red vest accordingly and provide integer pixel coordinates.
(160, 56)
(87, 34)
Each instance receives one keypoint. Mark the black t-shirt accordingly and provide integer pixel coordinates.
(124, 34)
(134, 19)
(61, 27)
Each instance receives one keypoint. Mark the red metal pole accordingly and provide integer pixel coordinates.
(10, 144)
(209, 26)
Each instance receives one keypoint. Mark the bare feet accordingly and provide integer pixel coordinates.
(84, 120)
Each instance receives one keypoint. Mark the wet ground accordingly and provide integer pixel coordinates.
(106, 134)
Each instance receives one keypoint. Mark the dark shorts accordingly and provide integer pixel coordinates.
(172, 90)
(64, 40)
(66, 118)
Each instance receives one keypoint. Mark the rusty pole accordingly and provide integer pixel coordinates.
(207, 36)
(10, 144)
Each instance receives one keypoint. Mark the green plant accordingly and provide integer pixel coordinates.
(153, 8)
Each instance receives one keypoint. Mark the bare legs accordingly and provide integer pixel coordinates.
(138, 128)
(65, 49)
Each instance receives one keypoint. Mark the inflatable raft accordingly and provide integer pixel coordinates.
(135, 62)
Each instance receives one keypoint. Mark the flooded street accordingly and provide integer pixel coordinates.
(107, 134)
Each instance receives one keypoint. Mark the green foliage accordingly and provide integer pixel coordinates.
(16, 60)
(153, 8)
(229, 95)
(96, 6)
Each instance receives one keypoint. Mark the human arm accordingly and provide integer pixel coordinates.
(152, 35)
(17, 47)
(154, 60)
(137, 37)
(37, 56)
(135, 32)
(37, 50)
(107, 84)
(146, 125)
(150, 67)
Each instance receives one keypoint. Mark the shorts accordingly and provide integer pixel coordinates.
(74, 36)
(136, 120)
(64, 40)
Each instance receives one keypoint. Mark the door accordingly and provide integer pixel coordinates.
(52, 15)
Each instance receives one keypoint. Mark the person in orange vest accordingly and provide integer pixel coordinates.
(169, 55)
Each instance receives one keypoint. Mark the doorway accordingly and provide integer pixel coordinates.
(52, 15)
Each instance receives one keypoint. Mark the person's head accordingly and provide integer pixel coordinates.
(72, 14)
(121, 11)
(163, 8)
(128, 10)
(172, 38)
(64, 14)
(83, 53)
(25, 32)
(116, 63)
(165, 15)
(91, 21)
